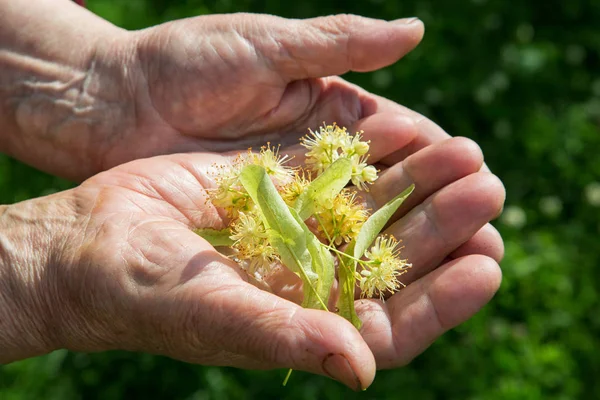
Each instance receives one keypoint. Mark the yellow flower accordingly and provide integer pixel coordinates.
(362, 174)
(331, 142)
(355, 146)
(383, 267)
(295, 188)
(251, 244)
(342, 221)
(324, 146)
(274, 164)
(228, 192)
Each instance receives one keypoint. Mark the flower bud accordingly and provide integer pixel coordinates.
(360, 148)
(369, 174)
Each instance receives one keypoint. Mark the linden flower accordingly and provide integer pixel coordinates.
(362, 174)
(324, 145)
(273, 163)
(332, 142)
(252, 244)
(290, 192)
(228, 192)
(381, 271)
(342, 221)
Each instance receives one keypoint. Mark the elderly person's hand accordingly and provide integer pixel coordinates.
(114, 264)
(79, 95)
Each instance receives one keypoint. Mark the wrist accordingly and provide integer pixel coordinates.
(33, 242)
(62, 100)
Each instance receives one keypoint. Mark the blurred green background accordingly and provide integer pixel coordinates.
(520, 77)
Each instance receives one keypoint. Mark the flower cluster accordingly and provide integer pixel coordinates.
(342, 221)
(229, 193)
(337, 223)
(331, 142)
(251, 243)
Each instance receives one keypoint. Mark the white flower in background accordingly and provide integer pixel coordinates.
(551, 205)
(514, 216)
(592, 194)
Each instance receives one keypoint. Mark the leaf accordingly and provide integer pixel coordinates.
(377, 221)
(322, 265)
(215, 237)
(324, 188)
(287, 233)
(368, 233)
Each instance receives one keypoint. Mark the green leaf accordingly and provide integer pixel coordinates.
(377, 221)
(324, 188)
(322, 264)
(287, 233)
(368, 233)
(215, 237)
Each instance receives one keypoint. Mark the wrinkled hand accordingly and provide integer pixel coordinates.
(134, 276)
(198, 83)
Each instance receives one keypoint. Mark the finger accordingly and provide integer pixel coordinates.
(447, 219)
(487, 241)
(333, 45)
(385, 133)
(280, 334)
(403, 327)
(217, 315)
(429, 170)
(428, 132)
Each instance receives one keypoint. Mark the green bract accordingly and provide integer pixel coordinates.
(324, 188)
(298, 248)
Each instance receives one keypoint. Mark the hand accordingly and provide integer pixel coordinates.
(127, 272)
(92, 96)
(228, 82)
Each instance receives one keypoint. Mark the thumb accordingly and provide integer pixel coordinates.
(223, 320)
(271, 332)
(332, 45)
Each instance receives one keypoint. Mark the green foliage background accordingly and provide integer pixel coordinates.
(518, 77)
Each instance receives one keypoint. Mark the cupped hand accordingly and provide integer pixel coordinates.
(229, 82)
(134, 276)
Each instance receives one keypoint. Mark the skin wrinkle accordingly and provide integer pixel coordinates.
(235, 329)
(53, 85)
(167, 197)
(147, 272)
(429, 210)
(26, 274)
(366, 306)
(205, 182)
(436, 314)
(84, 93)
(284, 53)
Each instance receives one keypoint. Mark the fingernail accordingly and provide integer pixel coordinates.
(405, 21)
(338, 368)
